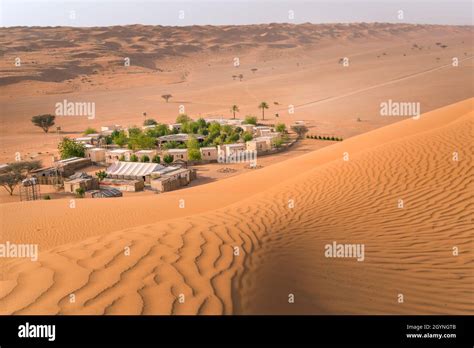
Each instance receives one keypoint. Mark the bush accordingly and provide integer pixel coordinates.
(183, 118)
(80, 192)
(133, 158)
(69, 148)
(90, 130)
(168, 159)
(102, 174)
(150, 122)
(47, 197)
(277, 143)
(250, 120)
(145, 159)
(156, 159)
(194, 155)
(280, 127)
(247, 136)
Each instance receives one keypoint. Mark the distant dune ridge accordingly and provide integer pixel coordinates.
(249, 253)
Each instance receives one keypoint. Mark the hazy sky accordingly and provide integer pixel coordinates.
(164, 12)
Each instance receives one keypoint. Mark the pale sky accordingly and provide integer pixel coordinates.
(86, 13)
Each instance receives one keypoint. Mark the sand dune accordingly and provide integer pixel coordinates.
(245, 250)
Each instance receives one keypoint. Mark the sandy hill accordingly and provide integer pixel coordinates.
(244, 250)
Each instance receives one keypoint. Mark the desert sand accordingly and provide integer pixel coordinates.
(237, 246)
(296, 65)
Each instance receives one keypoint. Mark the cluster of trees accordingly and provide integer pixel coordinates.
(319, 137)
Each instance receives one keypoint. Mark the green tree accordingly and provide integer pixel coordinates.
(183, 118)
(141, 141)
(119, 138)
(166, 97)
(168, 159)
(69, 148)
(280, 127)
(90, 130)
(192, 143)
(102, 174)
(13, 173)
(133, 158)
(156, 159)
(263, 105)
(277, 142)
(234, 109)
(250, 120)
(194, 154)
(45, 122)
(299, 129)
(247, 136)
(150, 122)
(145, 159)
(80, 192)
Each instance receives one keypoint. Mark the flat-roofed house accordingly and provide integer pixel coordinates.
(112, 156)
(262, 130)
(260, 144)
(96, 154)
(81, 181)
(208, 153)
(149, 153)
(84, 140)
(175, 127)
(230, 150)
(247, 127)
(178, 154)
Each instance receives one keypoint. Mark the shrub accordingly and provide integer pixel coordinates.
(133, 158)
(183, 118)
(102, 174)
(168, 159)
(69, 148)
(156, 159)
(80, 192)
(194, 155)
(247, 136)
(299, 129)
(145, 159)
(150, 122)
(280, 127)
(47, 197)
(90, 130)
(250, 120)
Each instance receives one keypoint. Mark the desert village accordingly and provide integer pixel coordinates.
(160, 163)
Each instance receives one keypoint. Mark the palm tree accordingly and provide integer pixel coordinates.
(263, 106)
(234, 109)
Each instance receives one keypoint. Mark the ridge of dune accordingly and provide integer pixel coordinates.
(243, 252)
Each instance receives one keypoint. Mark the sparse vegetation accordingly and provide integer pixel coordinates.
(90, 130)
(150, 122)
(69, 148)
(102, 174)
(80, 192)
(166, 97)
(13, 173)
(45, 122)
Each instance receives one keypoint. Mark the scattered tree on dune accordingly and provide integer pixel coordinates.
(45, 122)
(13, 173)
(166, 97)
(234, 109)
(263, 105)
